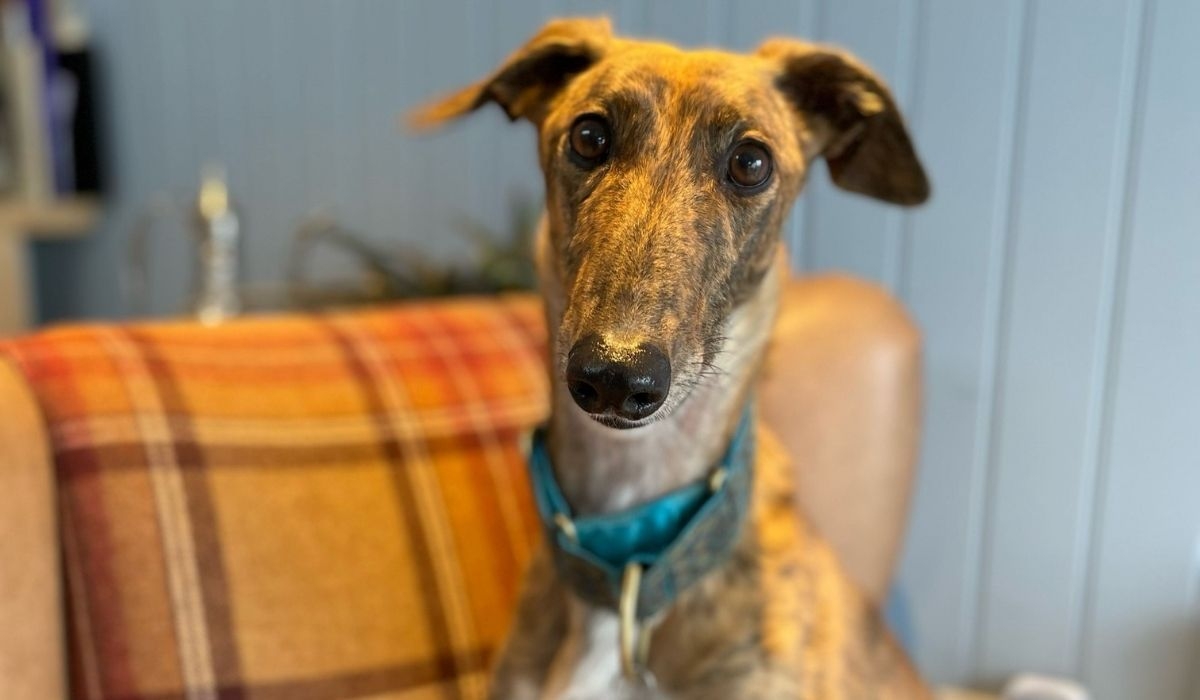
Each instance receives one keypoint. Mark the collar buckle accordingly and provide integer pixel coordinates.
(566, 526)
(717, 479)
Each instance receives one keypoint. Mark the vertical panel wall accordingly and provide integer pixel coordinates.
(1053, 331)
(1142, 633)
(971, 67)
(1055, 274)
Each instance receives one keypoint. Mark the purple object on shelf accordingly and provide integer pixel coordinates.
(56, 119)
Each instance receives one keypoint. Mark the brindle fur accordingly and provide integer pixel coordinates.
(656, 245)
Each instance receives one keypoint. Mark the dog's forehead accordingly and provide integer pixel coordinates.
(699, 82)
(684, 67)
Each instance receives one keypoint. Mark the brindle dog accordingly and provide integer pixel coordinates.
(668, 174)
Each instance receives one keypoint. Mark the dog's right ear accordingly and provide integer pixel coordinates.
(528, 79)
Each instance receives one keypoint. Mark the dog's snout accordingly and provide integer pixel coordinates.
(631, 383)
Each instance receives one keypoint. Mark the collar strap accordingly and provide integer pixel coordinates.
(675, 539)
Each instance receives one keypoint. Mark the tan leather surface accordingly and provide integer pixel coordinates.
(841, 389)
(31, 637)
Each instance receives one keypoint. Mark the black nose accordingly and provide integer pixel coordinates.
(630, 383)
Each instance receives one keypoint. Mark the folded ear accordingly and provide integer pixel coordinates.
(861, 133)
(527, 81)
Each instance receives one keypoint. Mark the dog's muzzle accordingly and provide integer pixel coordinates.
(625, 383)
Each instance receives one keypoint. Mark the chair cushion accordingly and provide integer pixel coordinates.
(252, 510)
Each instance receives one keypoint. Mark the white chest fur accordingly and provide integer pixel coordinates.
(587, 666)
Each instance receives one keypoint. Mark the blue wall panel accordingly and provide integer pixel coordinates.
(1142, 638)
(1060, 257)
(967, 107)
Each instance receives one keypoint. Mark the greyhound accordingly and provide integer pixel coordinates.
(668, 174)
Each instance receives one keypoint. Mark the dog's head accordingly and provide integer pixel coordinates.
(668, 176)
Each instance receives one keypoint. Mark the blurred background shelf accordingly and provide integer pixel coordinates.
(21, 221)
(57, 218)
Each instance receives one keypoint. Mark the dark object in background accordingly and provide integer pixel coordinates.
(75, 63)
(75, 111)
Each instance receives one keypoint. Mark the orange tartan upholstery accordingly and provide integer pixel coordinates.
(252, 510)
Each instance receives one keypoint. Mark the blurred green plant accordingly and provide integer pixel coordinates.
(502, 261)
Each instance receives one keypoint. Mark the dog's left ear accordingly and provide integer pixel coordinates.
(527, 81)
(862, 135)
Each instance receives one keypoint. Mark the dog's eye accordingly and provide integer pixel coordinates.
(590, 139)
(749, 164)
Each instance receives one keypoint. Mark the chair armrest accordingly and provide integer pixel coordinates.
(841, 390)
(32, 654)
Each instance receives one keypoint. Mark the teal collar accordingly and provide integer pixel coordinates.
(674, 539)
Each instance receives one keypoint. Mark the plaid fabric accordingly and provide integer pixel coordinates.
(253, 510)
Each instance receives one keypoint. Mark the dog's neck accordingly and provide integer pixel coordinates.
(602, 469)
